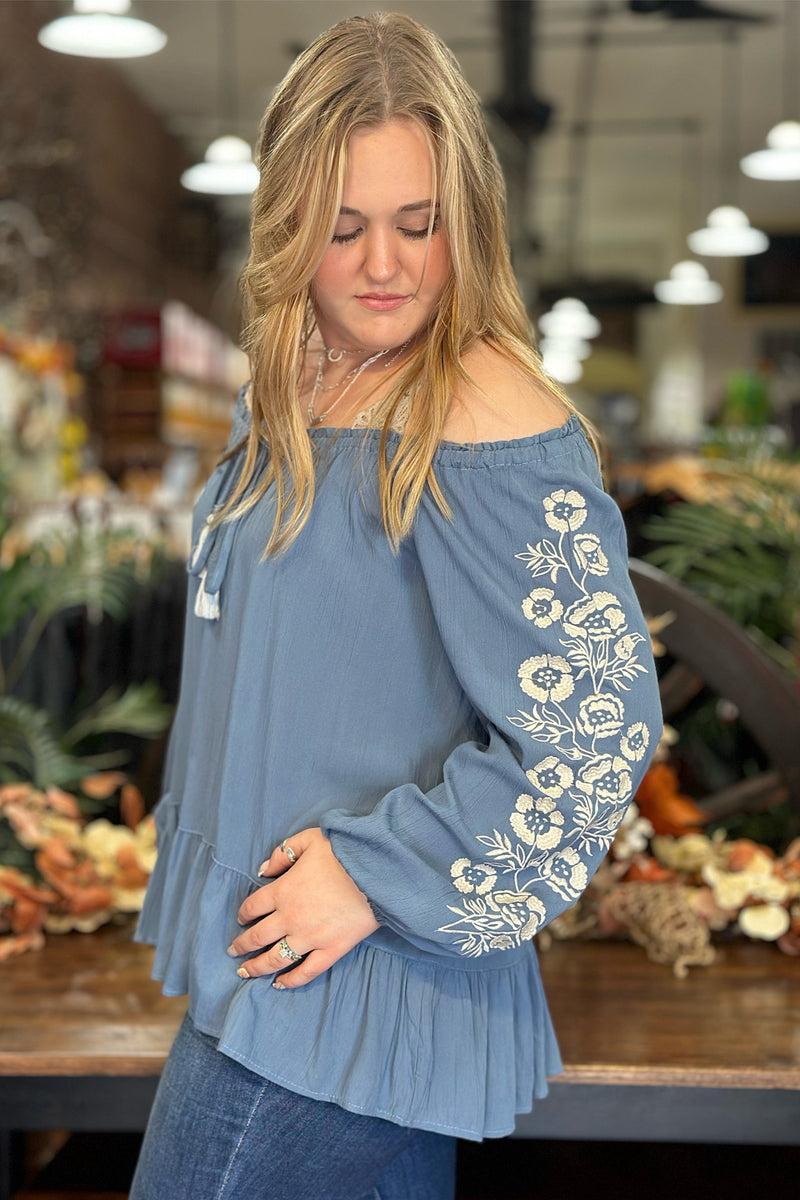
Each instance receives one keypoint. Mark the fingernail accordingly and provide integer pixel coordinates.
(242, 973)
(262, 870)
(233, 953)
(279, 987)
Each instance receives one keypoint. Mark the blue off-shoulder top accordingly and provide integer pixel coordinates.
(466, 720)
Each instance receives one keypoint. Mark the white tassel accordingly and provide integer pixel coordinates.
(206, 604)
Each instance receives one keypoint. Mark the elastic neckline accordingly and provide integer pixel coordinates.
(465, 454)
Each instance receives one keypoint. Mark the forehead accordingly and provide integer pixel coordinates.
(388, 164)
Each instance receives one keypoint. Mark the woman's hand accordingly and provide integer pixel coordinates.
(314, 906)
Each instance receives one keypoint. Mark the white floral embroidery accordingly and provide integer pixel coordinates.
(472, 877)
(546, 677)
(635, 741)
(541, 607)
(564, 510)
(607, 779)
(537, 821)
(589, 554)
(625, 646)
(566, 873)
(600, 715)
(598, 617)
(551, 777)
(580, 790)
(524, 911)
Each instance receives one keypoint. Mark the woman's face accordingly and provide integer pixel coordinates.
(374, 288)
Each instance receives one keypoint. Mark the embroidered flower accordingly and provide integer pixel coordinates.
(546, 677)
(551, 776)
(600, 715)
(635, 741)
(589, 554)
(502, 942)
(522, 910)
(607, 778)
(566, 873)
(564, 511)
(598, 617)
(537, 822)
(624, 647)
(473, 877)
(541, 607)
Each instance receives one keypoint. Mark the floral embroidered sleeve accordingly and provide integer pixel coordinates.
(531, 595)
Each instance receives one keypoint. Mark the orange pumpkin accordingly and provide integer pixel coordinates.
(646, 869)
(666, 808)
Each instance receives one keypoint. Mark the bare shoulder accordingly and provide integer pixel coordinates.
(501, 403)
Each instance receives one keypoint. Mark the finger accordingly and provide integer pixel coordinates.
(272, 961)
(283, 856)
(265, 933)
(314, 964)
(258, 904)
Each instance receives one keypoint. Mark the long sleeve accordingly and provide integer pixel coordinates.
(531, 597)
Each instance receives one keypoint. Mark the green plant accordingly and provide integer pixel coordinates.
(741, 551)
(38, 582)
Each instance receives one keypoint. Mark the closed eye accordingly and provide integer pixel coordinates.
(342, 239)
(414, 235)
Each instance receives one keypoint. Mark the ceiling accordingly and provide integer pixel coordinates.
(650, 113)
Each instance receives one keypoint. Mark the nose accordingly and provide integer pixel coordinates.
(380, 259)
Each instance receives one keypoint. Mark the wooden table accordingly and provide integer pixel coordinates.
(712, 1058)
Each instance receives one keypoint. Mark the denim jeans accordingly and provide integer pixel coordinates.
(219, 1132)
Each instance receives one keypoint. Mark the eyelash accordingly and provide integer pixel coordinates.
(414, 235)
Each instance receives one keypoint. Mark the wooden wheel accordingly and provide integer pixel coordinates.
(708, 649)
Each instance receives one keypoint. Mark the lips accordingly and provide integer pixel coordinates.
(381, 301)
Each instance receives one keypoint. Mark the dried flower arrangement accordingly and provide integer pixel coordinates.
(66, 873)
(668, 885)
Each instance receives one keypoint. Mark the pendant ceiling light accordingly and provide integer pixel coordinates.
(566, 328)
(227, 168)
(569, 318)
(728, 232)
(688, 283)
(781, 159)
(100, 29)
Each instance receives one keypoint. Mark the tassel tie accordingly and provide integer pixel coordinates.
(209, 559)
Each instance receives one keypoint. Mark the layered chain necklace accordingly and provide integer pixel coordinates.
(334, 355)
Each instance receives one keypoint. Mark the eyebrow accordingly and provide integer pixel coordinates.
(344, 211)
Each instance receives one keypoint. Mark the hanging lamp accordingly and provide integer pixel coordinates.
(566, 328)
(227, 168)
(569, 317)
(688, 283)
(728, 232)
(101, 29)
(781, 159)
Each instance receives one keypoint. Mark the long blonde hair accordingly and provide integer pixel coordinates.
(363, 72)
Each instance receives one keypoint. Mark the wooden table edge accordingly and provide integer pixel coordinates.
(690, 1077)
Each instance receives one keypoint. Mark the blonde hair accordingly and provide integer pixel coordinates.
(363, 72)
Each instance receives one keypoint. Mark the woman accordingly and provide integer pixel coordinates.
(417, 690)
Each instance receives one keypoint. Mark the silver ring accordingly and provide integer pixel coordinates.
(286, 951)
(289, 852)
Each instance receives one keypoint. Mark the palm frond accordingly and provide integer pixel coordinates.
(139, 710)
(30, 748)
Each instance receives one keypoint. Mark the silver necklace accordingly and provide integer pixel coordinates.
(352, 376)
(335, 355)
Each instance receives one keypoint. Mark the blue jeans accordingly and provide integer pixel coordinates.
(219, 1132)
